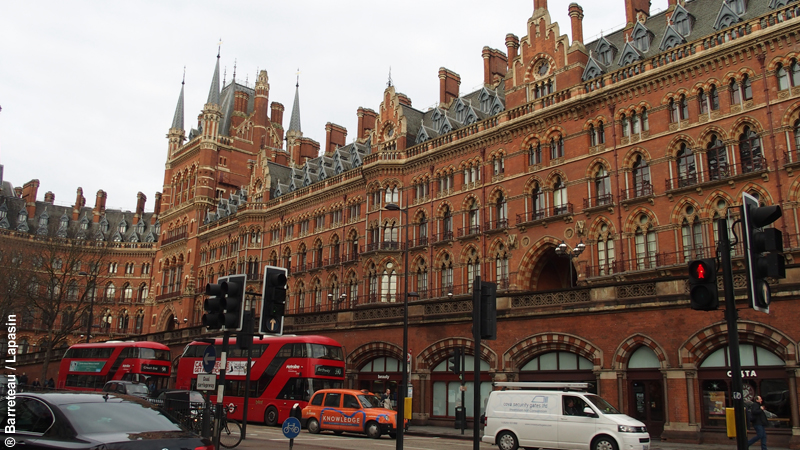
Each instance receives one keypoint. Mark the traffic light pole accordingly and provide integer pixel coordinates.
(223, 365)
(476, 364)
(731, 317)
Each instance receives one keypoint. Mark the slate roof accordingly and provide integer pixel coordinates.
(705, 13)
(56, 221)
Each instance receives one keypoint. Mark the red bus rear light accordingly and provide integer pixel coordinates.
(205, 447)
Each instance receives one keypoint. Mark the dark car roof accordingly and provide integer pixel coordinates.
(65, 398)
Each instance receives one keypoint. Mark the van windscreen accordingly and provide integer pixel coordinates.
(602, 405)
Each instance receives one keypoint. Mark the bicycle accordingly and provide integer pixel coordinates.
(230, 430)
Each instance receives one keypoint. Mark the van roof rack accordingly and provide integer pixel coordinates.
(542, 385)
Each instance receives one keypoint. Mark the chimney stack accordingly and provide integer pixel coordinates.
(49, 197)
(156, 209)
(512, 44)
(538, 4)
(140, 201)
(29, 192)
(448, 86)
(80, 202)
(495, 65)
(576, 17)
(403, 99)
(366, 122)
(240, 100)
(335, 137)
(99, 206)
(633, 8)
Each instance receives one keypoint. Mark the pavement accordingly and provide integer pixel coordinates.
(450, 432)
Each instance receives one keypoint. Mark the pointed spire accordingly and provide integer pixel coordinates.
(213, 92)
(294, 123)
(177, 120)
(389, 83)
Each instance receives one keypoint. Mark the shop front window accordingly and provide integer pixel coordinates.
(446, 389)
(763, 373)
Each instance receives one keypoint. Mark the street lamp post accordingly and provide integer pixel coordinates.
(561, 250)
(403, 391)
(91, 305)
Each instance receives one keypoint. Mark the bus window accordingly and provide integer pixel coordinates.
(295, 389)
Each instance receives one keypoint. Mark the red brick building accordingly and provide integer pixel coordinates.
(628, 147)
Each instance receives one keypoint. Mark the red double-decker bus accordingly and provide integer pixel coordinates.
(285, 370)
(89, 366)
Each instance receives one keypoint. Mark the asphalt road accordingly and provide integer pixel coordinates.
(261, 437)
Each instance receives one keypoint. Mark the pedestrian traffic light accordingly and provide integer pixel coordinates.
(488, 310)
(703, 284)
(454, 363)
(214, 306)
(273, 305)
(763, 250)
(233, 288)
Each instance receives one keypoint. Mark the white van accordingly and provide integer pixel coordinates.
(536, 418)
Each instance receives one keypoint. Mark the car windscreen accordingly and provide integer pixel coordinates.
(602, 405)
(370, 401)
(135, 389)
(128, 417)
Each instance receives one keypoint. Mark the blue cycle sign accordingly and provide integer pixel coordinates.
(291, 427)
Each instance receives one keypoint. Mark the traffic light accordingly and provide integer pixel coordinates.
(703, 284)
(233, 287)
(488, 310)
(244, 340)
(763, 250)
(454, 363)
(214, 306)
(224, 304)
(273, 303)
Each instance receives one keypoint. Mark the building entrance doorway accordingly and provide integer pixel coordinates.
(647, 404)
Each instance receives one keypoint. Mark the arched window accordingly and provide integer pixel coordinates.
(605, 251)
(422, 230)
(446, 273)
(674, 116)
(645, 244)
(143, 293)
(783, 78)
(702, 100)
(72, 290)
(602, 186)
(645, 120)
(687, 170)
(109, 292)
(389, 284)
(717, 159)
(557, 148)
(352, 288)
(713, 98)
(474, 217)
(317, 293)
(736, 94)
(626, 131)
(127, 293)
(501, 211)
(301, 297)
(372, 276)
(473, 267)
(636, 126)
(447, 223)
(592, 136)
(501, 266)
(535, 153)
(560, 205)
(139, 320)
(692, 235)
(747, 88)
(422, 278)
(537, 202)
(641, 177)
(23, 346)
(796, 148)
(750, 151)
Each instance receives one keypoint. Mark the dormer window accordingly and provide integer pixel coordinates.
(461, 111)
(437, 119)
(641, 39)
(682, 20)
(486, 101)
(43, 221)
(738, 6)
(123, 227)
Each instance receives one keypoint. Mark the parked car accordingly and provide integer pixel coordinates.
(341, 410)
(127, 388)
(92, 420)
(186, 406)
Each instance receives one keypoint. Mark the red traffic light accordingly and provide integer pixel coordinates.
(702, 270)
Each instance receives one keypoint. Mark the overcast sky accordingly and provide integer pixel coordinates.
(88, 88)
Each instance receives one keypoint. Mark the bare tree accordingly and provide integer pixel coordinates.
(62, 287)
(13, 277)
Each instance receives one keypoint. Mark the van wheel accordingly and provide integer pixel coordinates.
(373, 430)
(604, 443)
(507, 441)
(313, 426)
(271, 417)
(338, 432)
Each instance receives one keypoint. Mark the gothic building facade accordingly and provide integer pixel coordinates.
(581, 178)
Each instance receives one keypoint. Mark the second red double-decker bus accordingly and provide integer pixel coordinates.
(89, 366)
(285, 370)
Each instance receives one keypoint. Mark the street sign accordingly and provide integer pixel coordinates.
(209, 358)
(206, 382)
(291, 427)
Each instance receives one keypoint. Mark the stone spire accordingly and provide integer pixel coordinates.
(294, 123)
(213, 92)
(177, 120)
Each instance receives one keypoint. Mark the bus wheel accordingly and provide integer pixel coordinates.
(338, 432)
(313, 426)
(373, 430)
(271, 417)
